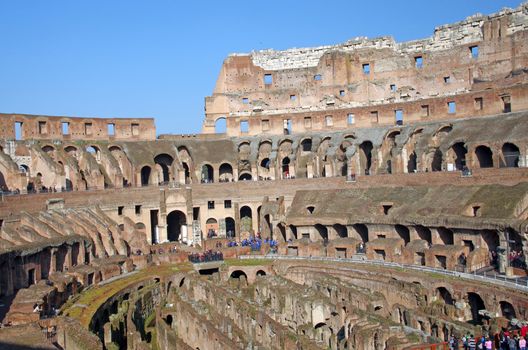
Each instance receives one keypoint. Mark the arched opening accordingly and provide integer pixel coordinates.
(484, 156)
(226, 173)
(71, 151)
(436, 164)
(507, 309)
(491, 239)
(265, 163)
(341, 230)
(3, 184)
(165, 162)
(403, 232)
(322, 230)
(187, 173)
(319, 325)
(48, 149)
(94, 151)
(207, 173)
(140, 227)
(460, 155)
(424, 233)
(230, 227)
(366, 156)
(261, 273)
(169, 320)
(306, 145)
(446, 235)
(246, 219)
(245, 177)
(176, 225)
(238, 274)
(220, 125)
(511, 155)
(443, 294)
(362, 231)
(145, 175)
(476, 303)
(412, 164)
(211, 227)
(286, 167)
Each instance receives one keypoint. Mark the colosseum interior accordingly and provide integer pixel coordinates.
(366, 195)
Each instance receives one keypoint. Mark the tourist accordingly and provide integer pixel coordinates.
(522, 343)
(471, 343)
(488, 344)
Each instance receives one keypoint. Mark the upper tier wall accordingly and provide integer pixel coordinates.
(480, 53)
(72, 128)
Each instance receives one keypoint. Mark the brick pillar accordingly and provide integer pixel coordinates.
(53, 260)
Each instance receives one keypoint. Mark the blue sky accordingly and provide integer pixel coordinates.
(160, 58)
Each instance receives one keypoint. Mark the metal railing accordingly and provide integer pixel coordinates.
(514, 283)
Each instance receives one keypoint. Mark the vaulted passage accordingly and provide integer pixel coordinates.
(176, 225)
(145, 175)
(484, 157)
(510, 156)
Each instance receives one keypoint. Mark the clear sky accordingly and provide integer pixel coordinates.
(160, 58)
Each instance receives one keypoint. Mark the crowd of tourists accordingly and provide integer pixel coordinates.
(517, 259)
(513, 339)
(206, 256)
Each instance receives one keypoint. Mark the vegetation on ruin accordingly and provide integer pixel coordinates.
(86, 305)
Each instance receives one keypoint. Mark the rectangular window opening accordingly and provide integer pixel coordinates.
(42, 129)
(398, 114)
(265, 125)
(111, 129)
(18, 130)
(120, 210)
(227, 204)
(287, 126)
(366, 68)
(245, 100)
(135, 129)
(393, 87)
(318, 77)
(374, 116)
(479, 103)
(351, 119)
(329, 120)
(474, 50)
(268, 79)
(447, 79)
(138, 209)
(425, 110)
(87, 128)
(210, 204)
(244, 126)
(506, 101)
(196, 213)
(341, 93)
(418, 61)
(451, 107)
(307, 122)
(65, 128)
(293, 97)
